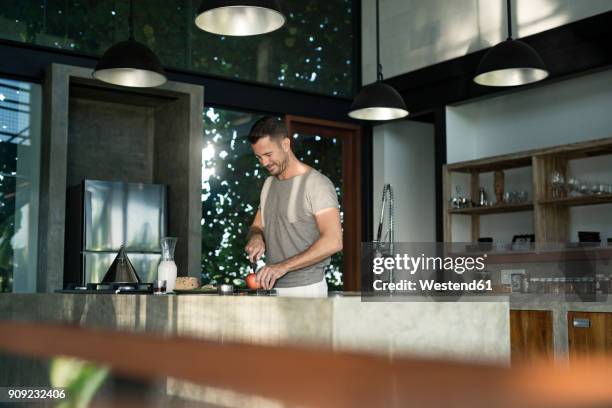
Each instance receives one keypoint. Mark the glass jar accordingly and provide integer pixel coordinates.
(166, 271)
(546, 283)
(536, 285)
(606, 285)
(590, 285)
(581, 286)
(555, 286)
(598, 284)
(570, 285)
(525, 283)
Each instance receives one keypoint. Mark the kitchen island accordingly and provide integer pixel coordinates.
(474, 331)
(469, 330)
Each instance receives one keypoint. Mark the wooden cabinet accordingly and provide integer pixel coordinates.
(589, 333)
(531, 335)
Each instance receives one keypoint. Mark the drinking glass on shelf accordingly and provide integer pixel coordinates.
(584, 188)
(601, 188)
(573, 185)
(507, 197)
(557, 181)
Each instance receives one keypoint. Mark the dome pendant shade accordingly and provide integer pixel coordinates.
(240, 17)
(378, 101)
(130, 63)
(510, 63)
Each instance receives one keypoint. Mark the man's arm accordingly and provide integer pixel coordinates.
(256, 246)
(329, 242)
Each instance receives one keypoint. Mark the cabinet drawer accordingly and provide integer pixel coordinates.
(589, 333)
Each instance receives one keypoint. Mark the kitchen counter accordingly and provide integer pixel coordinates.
(457, 330)
(472, 331)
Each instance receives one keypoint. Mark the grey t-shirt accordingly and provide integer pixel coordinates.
(287, 209)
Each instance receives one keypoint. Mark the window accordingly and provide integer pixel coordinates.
(312, 52)
(19, 184)
(231, 183)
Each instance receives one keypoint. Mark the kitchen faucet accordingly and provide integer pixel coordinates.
(387, 200)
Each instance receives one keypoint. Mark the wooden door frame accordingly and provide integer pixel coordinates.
(350, 134)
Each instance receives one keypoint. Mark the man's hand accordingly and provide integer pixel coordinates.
(269, 274)
(255, 248)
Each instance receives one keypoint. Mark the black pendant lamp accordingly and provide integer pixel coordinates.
(378, 101)
(510, 63)
(240, 17)
(130, 63)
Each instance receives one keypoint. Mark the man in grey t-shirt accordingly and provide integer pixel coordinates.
(297, 224)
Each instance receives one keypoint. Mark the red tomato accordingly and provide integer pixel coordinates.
(250, 281)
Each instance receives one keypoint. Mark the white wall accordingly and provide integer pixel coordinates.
(404, 156)
(569, 111)
(419, 33)
(563, 112)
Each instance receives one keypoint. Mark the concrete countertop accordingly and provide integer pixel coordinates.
(460, 330)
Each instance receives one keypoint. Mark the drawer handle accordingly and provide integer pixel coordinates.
(582, 323)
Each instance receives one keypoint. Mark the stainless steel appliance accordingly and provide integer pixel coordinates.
(103, 216)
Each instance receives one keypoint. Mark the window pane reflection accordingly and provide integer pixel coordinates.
(19, 184)
(313, 51)
(231, 182)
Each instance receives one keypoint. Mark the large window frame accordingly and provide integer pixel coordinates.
(20, 229)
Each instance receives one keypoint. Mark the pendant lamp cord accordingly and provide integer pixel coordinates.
(509, 16)
(131, 20)
(379, 75)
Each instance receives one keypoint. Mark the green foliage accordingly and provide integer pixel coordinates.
(80, 379)
(231, 181)
(8, 169)
(313, 51)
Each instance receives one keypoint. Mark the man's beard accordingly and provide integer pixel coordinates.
(277, 167)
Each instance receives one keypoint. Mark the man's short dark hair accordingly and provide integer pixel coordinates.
(268, 126)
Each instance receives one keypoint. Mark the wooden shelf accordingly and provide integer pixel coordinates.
(580, 201)
(492, 163)
(524, 159)
(494, 209)
(550, 217)
(580, 150)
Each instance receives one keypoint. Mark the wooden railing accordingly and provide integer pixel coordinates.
(307, 377)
